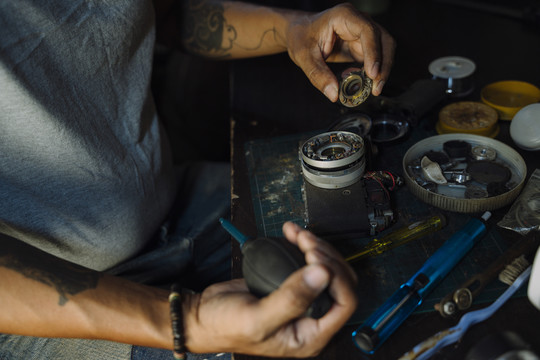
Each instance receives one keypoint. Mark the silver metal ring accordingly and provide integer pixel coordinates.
(334, 179)
(333, 160)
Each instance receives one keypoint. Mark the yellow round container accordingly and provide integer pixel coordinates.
(508, 97)
(468, 117)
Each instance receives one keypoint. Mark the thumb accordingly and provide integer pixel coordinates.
(295, 295)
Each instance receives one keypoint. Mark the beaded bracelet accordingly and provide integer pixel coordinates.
(177, 322)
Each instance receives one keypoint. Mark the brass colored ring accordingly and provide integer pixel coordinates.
(355, 88)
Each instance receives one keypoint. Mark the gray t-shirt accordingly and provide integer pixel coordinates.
(85, 172)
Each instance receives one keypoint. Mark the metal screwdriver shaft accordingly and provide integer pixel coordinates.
(400, 237)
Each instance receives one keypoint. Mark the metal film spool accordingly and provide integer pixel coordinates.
(355, 88)
(333, 160)
(456, 72)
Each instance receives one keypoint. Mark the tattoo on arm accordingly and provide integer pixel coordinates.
(66, 278)
(203, 26)
(204, 30)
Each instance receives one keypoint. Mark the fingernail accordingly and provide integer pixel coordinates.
(380, 86)
(331, 92)
(375, 69)
(316, 277)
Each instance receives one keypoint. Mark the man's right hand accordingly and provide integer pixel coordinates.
(227, 318)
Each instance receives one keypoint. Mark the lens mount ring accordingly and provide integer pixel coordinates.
(355, 88)
(333, 159)
(333, 149)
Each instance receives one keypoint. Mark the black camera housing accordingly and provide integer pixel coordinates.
(359, 210)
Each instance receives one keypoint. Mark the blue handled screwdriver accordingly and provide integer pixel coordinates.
(387, 318)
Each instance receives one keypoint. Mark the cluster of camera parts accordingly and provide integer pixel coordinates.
(378, 185)
(471, 169)
(334, 162)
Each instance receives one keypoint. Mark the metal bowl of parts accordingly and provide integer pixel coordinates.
(465, 196)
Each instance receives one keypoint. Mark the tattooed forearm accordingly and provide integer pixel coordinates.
(67, 279)
(204, 29)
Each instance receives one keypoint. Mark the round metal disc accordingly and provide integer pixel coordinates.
(455, 67)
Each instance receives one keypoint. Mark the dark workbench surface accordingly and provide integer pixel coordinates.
(271, 97)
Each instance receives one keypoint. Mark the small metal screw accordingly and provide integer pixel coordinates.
(449, 308)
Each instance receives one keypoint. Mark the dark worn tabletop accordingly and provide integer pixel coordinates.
(271, 97)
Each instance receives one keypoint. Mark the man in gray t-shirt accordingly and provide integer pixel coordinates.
(86, 173)
(91, 206)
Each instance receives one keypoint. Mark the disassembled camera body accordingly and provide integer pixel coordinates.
(341, 199)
